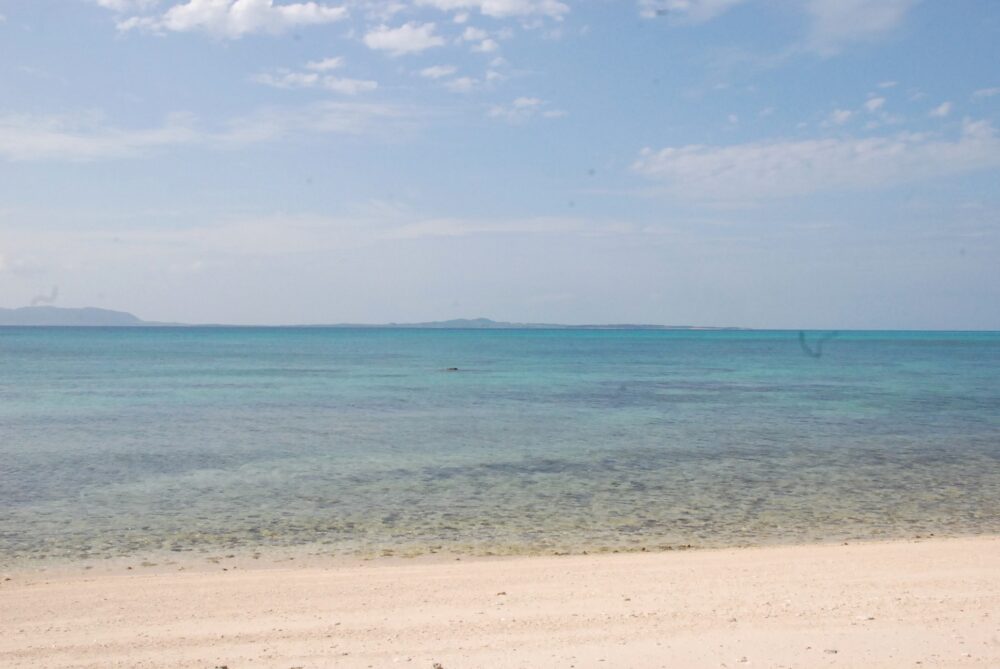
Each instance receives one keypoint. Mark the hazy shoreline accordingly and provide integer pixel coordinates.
(48, 316)
(201, 557)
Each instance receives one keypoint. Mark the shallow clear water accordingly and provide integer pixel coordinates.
(115, 441)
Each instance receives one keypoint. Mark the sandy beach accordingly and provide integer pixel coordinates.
(912, 603)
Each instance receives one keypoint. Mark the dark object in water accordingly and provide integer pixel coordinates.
(818, 352)
(451, 369)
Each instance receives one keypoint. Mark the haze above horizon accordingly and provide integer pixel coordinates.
(812, 164)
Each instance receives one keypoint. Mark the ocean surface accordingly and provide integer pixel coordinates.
(359, 441)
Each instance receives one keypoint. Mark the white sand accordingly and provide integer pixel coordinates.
(900, 604)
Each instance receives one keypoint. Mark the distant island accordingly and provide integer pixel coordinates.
(94, 317)
(487, 324)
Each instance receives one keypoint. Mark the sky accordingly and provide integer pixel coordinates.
(757, 163)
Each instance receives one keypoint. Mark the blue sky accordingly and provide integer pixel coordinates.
(760, 163)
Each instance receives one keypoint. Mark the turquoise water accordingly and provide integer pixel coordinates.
(120, 441)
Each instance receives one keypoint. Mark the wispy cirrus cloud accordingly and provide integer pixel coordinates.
(229, 19)
(462, 84)
(830, 25)
(90, 137)
(502, 8)
(86, 137)
(839, 117)
(834, 24)
(941, 110)
(786, 168)
(279, 234)
(691, 11)
(316, 75)
(873, 104)
(540, 225)
(343, 85)
(523, 109)
(438, 71)
(337, 118)
(127, 5)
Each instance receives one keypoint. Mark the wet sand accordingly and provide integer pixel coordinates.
(920, 603)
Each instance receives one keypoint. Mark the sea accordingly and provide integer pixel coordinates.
(376, 441)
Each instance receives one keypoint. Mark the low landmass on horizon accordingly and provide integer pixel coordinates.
(95, 317)
(90, 316)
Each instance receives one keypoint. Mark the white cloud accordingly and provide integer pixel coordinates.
(836, 23)
(888, 84)
(986, 93)
(348, 86)
(289, 79)
(830, 25)
(462, 84)
(474, 34)
(874, 104)
(282, 234)
(792, 168)
(380, 11)
(126, 5)
(523, 109)
(89, 137)
(692, 11)
(455, 227)
(941, 110)
(840, 116)
(408, 38)
(527, 102)
(325, 65)
(85, 137)
(233, 19)
(501, 8)
(466, 84)
(23, 264)
(486, 46)
(271, 124)
(438, 71)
